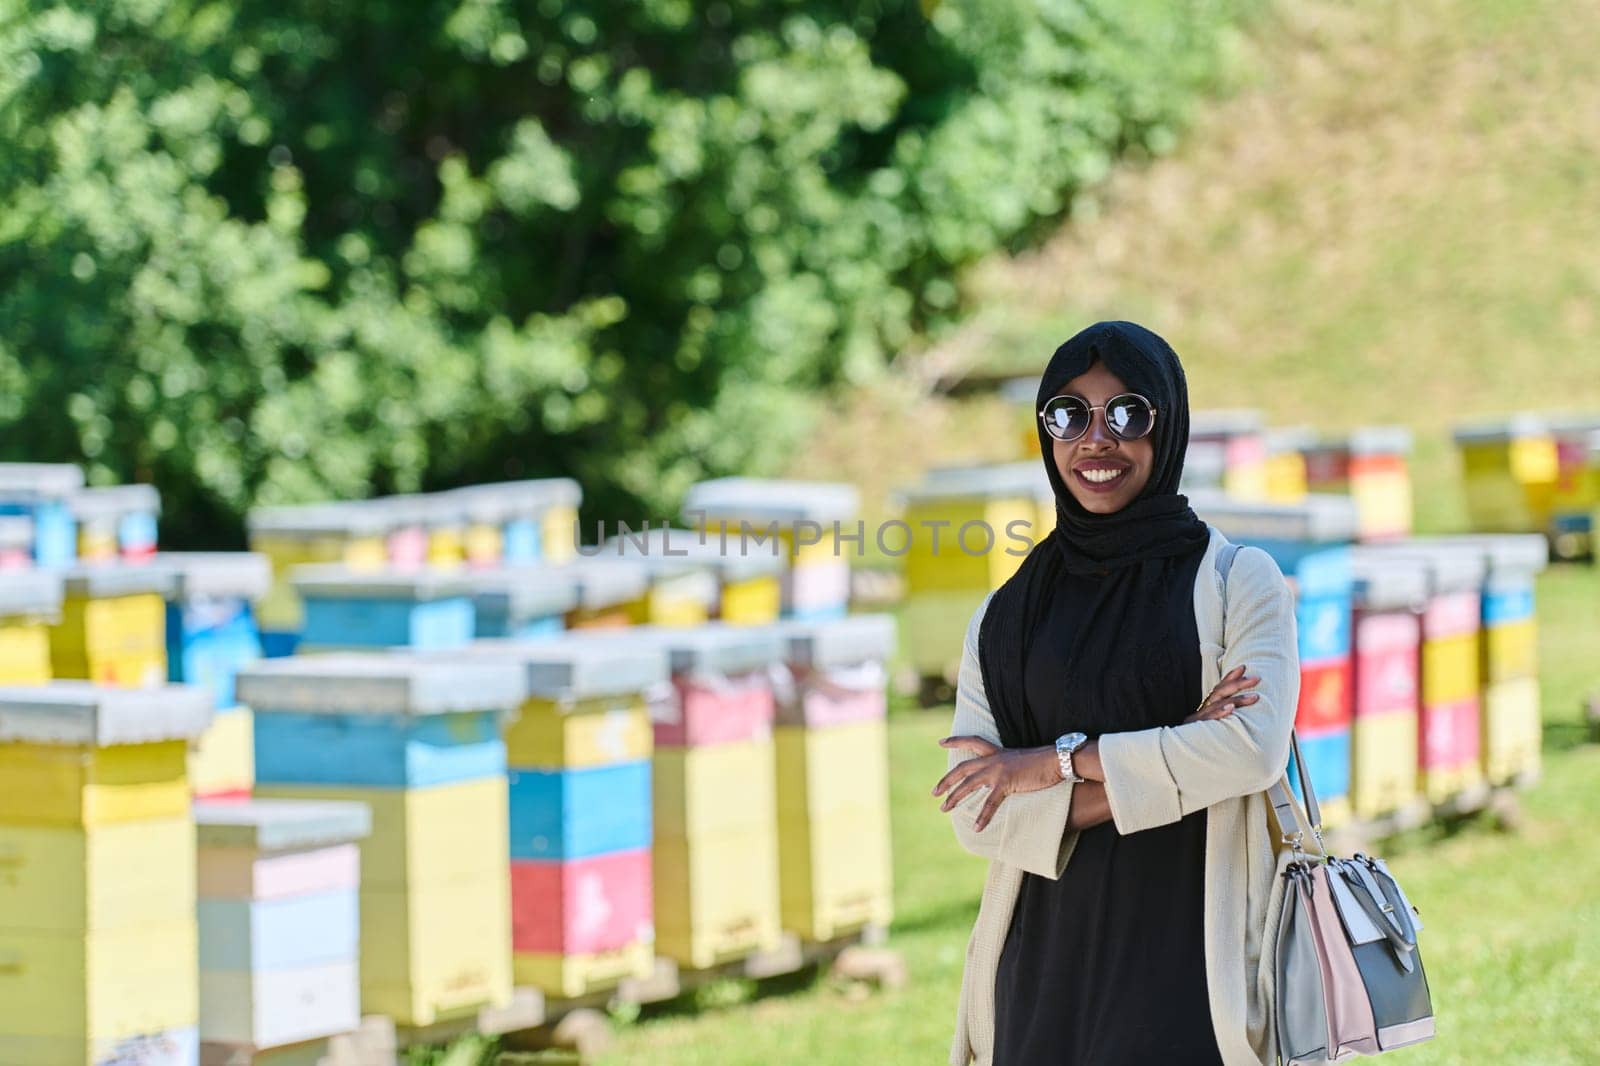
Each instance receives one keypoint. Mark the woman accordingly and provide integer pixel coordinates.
(1133, 868)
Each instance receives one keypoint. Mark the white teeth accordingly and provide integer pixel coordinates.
(1100, 476)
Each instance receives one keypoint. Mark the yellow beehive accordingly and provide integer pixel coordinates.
(1510, 472)
(716, 896)
(51, 784)
(1511, 650)
(24, 651)
(1449, 668)
(555, 534)
(1442, 783)
(62, 880)
(438, 949)
(223, 760)
(801, 515)
(1383, 768)
(435, 896)
(111, 639)
(958, 542)
(578, 975)
(714, 789)
(833, 768)
(591, 732)
(752, 601)
(76, 989)
(1512, 730)
(835, 872)
(422, 835)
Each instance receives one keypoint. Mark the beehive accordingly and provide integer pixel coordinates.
(970, 526)
(1240, 433)
(1288, 480)
(1390, 594)
(1510, 470)
(30, 600)
(353, 533)
(1371, 465)
(414, 739)
(1577, 487)
(522, 601)
(580, 747)
(116, 521)
(832, 761)
(41, 493)
(278, 956)
(802, 516)
(210, 624)
(611, 592)
(683, 589)
(97, 922)
(520, 522)
(113, 624)
(348, 608)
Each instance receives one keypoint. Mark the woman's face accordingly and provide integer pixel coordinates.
(1100, 451)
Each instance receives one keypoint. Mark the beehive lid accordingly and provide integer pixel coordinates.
(709, 649)
(1573, 425)
(114, 501)
(769, 500)
(217, 575)
(573, 667)
(83, 714)
(1380, 440)
(28, 482)
(340, 580)
(100, 580)
(379, 683)
(674, 552)
(30, 592)
(347, 519)
(1224, 422)
(1502, 430)
(1205, 461)
(1318, 517)
(1386, 581)
(1505, 553)
(1281, 439)
(437, 510)
(606, 581)
(1453, 566)
(528, 591)
(825, 643)
(1025, 480)
(280, 824)
(502, 501)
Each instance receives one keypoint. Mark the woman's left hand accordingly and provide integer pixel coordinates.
(1001, 770)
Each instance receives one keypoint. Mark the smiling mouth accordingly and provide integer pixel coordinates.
(1102, 478)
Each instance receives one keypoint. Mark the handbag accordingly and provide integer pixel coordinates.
(1349, 975)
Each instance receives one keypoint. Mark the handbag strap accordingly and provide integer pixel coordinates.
(1279, 795)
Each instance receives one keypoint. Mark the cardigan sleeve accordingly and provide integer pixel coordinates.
(1157, 776)
(1029, 830)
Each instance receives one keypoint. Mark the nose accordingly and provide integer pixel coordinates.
(1098, 436)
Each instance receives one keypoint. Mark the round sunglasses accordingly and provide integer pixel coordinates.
(1129, 416)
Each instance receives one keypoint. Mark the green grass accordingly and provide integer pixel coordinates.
(1512, 939)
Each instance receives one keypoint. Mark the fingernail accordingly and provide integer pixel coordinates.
(1227, 706)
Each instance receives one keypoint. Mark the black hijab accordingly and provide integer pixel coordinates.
(1127, 550)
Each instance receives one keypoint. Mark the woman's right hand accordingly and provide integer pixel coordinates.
(1228, 695)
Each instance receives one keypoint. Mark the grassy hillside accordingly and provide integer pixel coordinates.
(1394, 223)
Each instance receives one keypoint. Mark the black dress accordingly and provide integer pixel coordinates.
(1106, 966)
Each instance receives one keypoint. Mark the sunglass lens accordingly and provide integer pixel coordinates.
(1129, 417)
(1065, 417)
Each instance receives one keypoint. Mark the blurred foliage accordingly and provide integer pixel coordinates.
(265, 252)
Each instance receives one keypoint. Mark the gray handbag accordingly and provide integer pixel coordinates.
(1349, 972)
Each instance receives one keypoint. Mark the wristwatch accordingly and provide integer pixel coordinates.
(1066, 744)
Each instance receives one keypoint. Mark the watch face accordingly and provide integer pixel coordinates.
(1073, 740)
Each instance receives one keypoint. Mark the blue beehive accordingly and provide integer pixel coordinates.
(42, 492)
(1328, 758)
(353, 608)
(211, 624)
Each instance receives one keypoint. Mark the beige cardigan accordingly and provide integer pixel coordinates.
(1154, 777)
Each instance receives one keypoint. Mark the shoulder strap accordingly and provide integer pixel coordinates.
(1279, 795)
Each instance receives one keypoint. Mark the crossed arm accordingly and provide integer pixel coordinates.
(1012, 805)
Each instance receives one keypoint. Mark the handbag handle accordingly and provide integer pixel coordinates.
(1281, 798)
